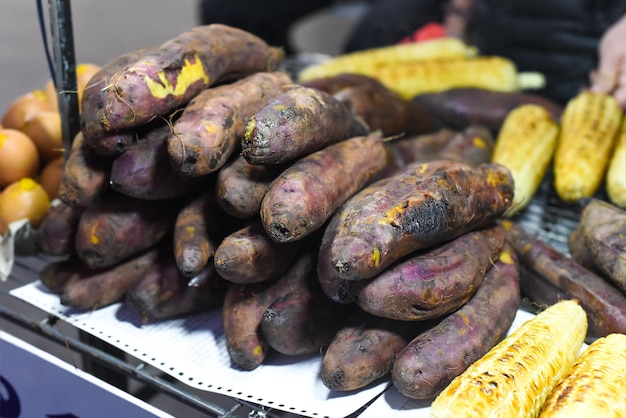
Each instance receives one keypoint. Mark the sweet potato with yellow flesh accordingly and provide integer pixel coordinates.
(164, 293)
(603, 226)
(364, 350)
(118, 227)
(297, 122)
(380, 108)
(89, 289)
(240, 186)
(423, 205)
(245, 304)
(461, 107)
(210, 128)
(167, 77)
(56, 233)
(303, 321)
(249, 255)
(93, 112)
(144, 170)
(604, 303)
(435, 357)
(85, 175)
(302, 198)
(435, 281)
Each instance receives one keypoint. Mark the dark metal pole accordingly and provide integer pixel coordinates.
(65, 69)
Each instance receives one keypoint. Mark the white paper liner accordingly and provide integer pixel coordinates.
(193, 351)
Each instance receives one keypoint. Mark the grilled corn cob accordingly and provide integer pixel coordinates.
(487, 72)
(594, 385)
(525, 145)
(589, 127)
(516, 376)
(616, 173)
(365, 62)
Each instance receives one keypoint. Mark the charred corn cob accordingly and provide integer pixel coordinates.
(488, 72)
(365, 62)
(516, 376)
(616, 173)
(525, 145)
(594, 385)
(589, 127)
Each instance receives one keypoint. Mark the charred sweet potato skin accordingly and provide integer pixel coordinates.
(433, 358)
(119, 227)
(90, 288)
(460, 107)
(211, 125)
(423, 205)
(302, 198)
(604, 304)
(364, 350)
(167, 77)
(85, 176)
(303, 321)
(249, 255)
(244, 307)
(241, 186)
(295, 123)
(603, 227)
(56, 233)
(93, 112)
(433, 282)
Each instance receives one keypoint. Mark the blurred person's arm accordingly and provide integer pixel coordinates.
(610, 76)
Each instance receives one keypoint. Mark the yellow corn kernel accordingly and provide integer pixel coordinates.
(487, 72)
(525, 145)
(616, 173)
(594, 385)
(589, 126)
(516, 376)
(366, 61)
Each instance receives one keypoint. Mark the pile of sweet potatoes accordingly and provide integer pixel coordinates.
(205, 178)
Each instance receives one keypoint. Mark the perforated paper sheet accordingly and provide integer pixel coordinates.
(193, 350)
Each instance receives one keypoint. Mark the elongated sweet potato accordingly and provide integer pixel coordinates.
(240, 186)
(604, 303)
(433, 358)
(199, 227)
(119, 227)
(92, 106)
(85, 176)
(295, 123)
(302, 198)
(56, 233)
(210, 128)
(421, 206)
(164, 293)
(249, 255)
(435, 281)
(244, 307)
(303, 321)
(89, 289)
(364, 350)
(458, 108)
(167, 77)
(144, 170)
(603, 227)
(380, 108)
(55, 274)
